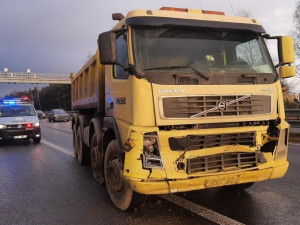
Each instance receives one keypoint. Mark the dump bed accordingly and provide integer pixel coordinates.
(88, 86)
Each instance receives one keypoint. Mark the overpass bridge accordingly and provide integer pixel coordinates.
(34, 78)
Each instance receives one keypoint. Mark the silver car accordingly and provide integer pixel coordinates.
(58, 115)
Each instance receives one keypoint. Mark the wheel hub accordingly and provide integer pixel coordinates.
(114, 174)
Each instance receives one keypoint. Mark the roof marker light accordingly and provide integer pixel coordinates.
(173, 9)
(213, 12)
(25, 98)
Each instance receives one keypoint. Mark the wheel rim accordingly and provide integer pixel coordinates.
(114, 175)
(94, 152)
(96, 161)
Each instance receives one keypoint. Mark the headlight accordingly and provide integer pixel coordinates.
(281, 150)
(151, 153)
(2, 126)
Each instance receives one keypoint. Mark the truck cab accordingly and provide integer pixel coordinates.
(18, 120)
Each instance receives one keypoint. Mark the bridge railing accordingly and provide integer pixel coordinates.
(293, 117)
(23, 77)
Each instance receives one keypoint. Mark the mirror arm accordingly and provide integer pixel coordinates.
(121, 30)
(268, 36)
(133, 71)
(279, 64)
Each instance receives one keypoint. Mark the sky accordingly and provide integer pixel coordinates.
(55, 36)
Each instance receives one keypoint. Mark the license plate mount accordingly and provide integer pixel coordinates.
(222, 181)
(20, 137)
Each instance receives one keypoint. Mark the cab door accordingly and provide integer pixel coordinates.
(118, 86)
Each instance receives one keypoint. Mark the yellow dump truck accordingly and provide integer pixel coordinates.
(177, 100)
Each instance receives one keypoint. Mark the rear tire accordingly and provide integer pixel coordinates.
(117, 187)
(36, 140)
(83, 155)
(96, 159)
(75, 144)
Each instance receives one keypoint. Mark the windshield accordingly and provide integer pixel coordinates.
(16, 110)
(204, 56)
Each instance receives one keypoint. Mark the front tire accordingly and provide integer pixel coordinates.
(117, 187)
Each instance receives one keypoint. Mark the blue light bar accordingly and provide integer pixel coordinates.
(9, 102)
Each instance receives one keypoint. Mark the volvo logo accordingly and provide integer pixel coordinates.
(222, 105)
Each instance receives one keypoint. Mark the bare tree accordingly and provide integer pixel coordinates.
(249, 51)
(294, 83)
(296, 33)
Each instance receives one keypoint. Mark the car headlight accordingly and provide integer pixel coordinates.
(2, 126)
(151, 152)
(281, 150)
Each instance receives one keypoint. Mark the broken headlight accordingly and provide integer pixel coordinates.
(151, 153)
(281, 150)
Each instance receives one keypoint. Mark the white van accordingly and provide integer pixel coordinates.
(18, 120)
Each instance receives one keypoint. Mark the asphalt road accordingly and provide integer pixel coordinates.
(44, 184)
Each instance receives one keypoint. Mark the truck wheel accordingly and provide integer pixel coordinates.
(36, 140)
(75, 144)
(117, 187)
(238, 187)
(96, 160)
(82, 150)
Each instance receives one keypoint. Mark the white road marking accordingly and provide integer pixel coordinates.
(200, 210)
(56, 147)
(181, 202)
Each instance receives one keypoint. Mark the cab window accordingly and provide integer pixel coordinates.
(122, 56)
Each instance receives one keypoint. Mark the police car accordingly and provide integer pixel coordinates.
(18, 120)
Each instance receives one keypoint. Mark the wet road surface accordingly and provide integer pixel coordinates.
(44, 184)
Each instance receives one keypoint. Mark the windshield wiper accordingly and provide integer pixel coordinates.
(181, 66)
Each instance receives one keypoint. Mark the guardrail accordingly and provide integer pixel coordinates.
(293, 117)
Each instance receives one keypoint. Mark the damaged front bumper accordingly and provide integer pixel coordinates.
(152, 186)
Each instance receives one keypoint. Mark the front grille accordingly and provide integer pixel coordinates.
(194, 142)
(217, 163)
(213, 106)
(15, 126)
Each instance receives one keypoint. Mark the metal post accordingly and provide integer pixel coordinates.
(28, 72)
(5, 71)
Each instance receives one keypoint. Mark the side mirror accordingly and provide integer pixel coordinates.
(107, 48)
(286, 52)
(287, 71)
(286, 55)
